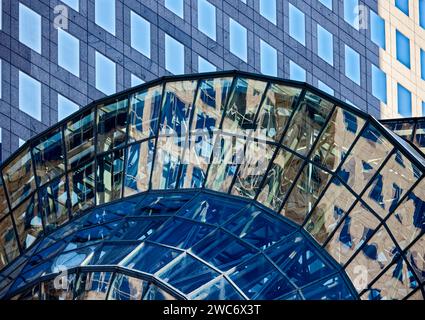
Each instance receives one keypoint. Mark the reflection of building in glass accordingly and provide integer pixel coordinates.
(215, 186)
(410, 129)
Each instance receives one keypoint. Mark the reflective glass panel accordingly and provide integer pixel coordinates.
(4, 207)
(49, 290)
(82, 187)
(163, 204)
(93, 286)
(9, 249)
(138, 228)
(419, 139)
(416, 257)
(218, 289)
(127, 288)
(111, 253)
(109, 176)
(156, 293)
(332, 288)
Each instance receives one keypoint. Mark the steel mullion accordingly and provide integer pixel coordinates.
(67, 185)
(125, 148)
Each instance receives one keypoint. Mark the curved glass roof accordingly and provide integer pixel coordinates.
(333, 172)
(410, 129)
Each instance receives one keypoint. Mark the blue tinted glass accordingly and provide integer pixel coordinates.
(379, 84)
(422, 13)
(105, 74)
(296, 24)
(111, 253)
(327, 3)
(403, 49)
(238, 40)
(140, 34)
(220, 289)
(175, 6)
(138, 228)
(268, 59)
(333, 288)
(296, 72)
(206, 18)
(135, 80)
(377, 29)
(352, 64)
(423, 108)
(268, 9)
(69, 52)
(324, 87)
(174, 55)
(403, 5)
(65, 107)
(404, 101)
(30, 28)
(422, 64)
(325, 45)
(205, 66)
(351, 12)
(74, 4)
(162, 204)
(30, 96)
(105, 14)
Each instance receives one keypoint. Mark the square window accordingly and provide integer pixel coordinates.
(324, 87)
(69, 52)
(268, 59)
(206, 18)
(297, 24)
(404, 101)
(422, 64)
(351, 13)
(65, 107)
(377, 29)
(423, 108)
(296, 72)
(140, 34)
(421, 13)
(29, 96)
(327, 3)
(174, 55)
(135, 80)
(352, 64)
(105, 74)
(268, 10)
(325, 45)
(403, 5)
(205, 65)
(30, 28)
(403, 49)
(238, 40)
(105, 14)
(74, 4)
(379, 84)
(175, 6)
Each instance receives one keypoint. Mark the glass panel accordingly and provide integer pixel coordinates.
(416, 257)
(111, 125)
(218, 289)
(90, 236)
(109, 176)
(9, 249)
(4, 207)
(187, 274)
(336, 139)
(165, 204)
(260, 280)
(331, 208)
(356, 228)
(222, 250)
(396, 283)
(144, 113)
(333, 288)
(139, 166)
(244, 102)
(81, 187)
(394, 180)
(403, 129)
(53, 198)
(156, 293)
(227, 154)
(408, 220)
(253, 168)
(19, 177)
(358, 168)
(51, 291)
(127, 288)
(49, 157)
(28, 221)
(112, 253)
(93, 286)
(258, 227)
(419, 139)
(275, 112)
(139, 229)
(79, 139)
(279, 178)
(304, 195)
(72, 259)
(306, 123)
(176, 108)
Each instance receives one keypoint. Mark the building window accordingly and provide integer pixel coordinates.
(325, 45)
(29, 28)
(268, 57)
(206, 18)
(296, 72)
(403, 49)
(140, 34)
(175, 6)
(30, 96)
(325, 88)
(65, 107)
(174, 55)
(351, 13)
(268, 10)
(105, 14)
(238, 40)
(377, 29)
(105, 74)
(135, 80)
(404, 98)
(21, 142)
(69, 52)
(352, 64)
(403, 5)
(422, 13)
(327, 3)
(205, 66)
(422, 64)
(74, 4)
(379, 84)
(297, 24)
(423, 108)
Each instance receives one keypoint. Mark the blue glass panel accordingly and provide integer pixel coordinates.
(111, 253)
(72, 259)
(165, 204)
(422, 13)
(268, 59)
(325, 45)
(351, 12)
(156, 293)
(404, 98)
(238, 40)
(422, 64)
(105, 14)
(379, 84)
(352, 64)
(29, 28)
(206, 18)
(174, 55)
(175, 6)
(403, 49)
(219, 289)
(403, 5)
(138, 228)
(332, 288)
(377, 32)
(268, 10)
(127, 288)
(296, 24)
(93, 286)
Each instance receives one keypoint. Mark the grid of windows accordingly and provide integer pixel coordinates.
(174, 55)
(206, 18)
(176, 6)
(29, 28)
(352, 64)
(379, 84)
(105, 74)
(296, 24)
(404, 99)
(105, 14)
(65, 107)
(268, 57)
(140, 34)
(69, 52)
(403, 49)
(29, 95)
(238, 40)
(268, 10)
(325, 45)
(377, 29)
